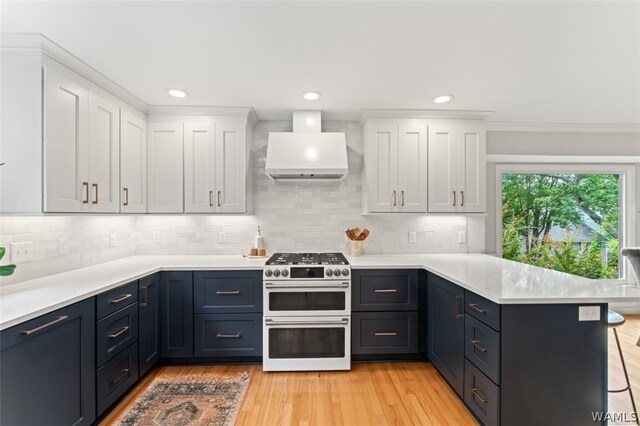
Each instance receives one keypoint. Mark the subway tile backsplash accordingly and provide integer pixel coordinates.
(309, 216)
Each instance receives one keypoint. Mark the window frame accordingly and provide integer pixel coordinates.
(627, 201)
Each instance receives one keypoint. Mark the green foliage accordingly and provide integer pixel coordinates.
(5, 270)
(532, 204)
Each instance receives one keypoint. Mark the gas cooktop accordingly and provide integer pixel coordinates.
(307, 259)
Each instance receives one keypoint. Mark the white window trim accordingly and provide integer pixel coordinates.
(627, 183)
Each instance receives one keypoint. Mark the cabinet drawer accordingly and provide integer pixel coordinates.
(482, 347)
(116, 332)
(116, 377)
(384, 333)
(116, 299)
(481, 395)
(384, 290)
(229, 335)
(224, 291)
(483, 309)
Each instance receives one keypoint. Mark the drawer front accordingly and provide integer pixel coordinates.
(224, 291)
(116, 299)
(483, 309)
(384, 333)
(482, 347)
(228, 335)
(116, 377)
(384, 290)
(481, 395)
(116, 332)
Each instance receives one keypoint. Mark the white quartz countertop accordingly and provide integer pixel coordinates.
(496, 279)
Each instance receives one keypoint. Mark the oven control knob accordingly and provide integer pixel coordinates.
(268, 273)
(336, 272)
(345, 272)
(276, 272)
(285, 273)
(329, 272)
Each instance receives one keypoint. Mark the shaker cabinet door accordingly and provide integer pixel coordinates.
(133, 164)
(165, 168)
(412, 169)
(382, 167)
(231, 167)
(199, 168)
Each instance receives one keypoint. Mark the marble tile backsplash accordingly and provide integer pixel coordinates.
(309, 216)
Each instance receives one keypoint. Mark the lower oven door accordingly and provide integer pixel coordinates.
(307, 298)
(308, 344)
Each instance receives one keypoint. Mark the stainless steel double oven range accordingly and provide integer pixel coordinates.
(307, 312)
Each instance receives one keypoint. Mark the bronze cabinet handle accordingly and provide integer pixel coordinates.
(459, 307)
(454, 198)
(210, 198)
(219, 193)
(120, 299)
(85, 186)
(124, 373)
(462, 204)
(145, 290)
(477, 344)
(228, 336)
(394, 198)
(385, 290)
(118, 333)
(402, 198)
(43, 326)
(95, 199)
(477, 395)
(126, 196)
(477, 308)
(385, 333)
(227, 293)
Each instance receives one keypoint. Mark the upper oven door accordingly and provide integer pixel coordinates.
(296, 298)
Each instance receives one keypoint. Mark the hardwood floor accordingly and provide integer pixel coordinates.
(373, 394)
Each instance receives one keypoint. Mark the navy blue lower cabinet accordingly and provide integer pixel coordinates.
(384, 290)
(228, 335)
(445, 335)
(375, 333)
(176, 319)
(48, 370)
(116, 377)
(227, 292)
(482, 396)
(149, 322)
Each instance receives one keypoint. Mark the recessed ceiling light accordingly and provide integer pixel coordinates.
(443, 99)
(177, 93)
(311, 96)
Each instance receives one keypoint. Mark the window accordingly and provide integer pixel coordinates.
(568, 218)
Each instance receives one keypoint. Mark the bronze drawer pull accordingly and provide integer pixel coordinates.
(393, 333)
(124, 373)
(402, 198)
(118, 333)
(210, 198)
(477, 396)
(454, 198)
(126, 197)
(227, 293)
(120, 299)
(43, 326)
(145, 290)
(394, 199)
(385, 290)
(477, 308)
(462, 204)
(228, 336)
(85, 186)
(219, 193)
(95, 199)
(459, 307)
(477, 344)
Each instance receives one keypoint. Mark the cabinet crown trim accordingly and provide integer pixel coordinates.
(423, 113)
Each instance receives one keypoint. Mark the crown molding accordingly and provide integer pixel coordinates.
(501, 126)
(564, 159)
(424, 114)
(246, 112)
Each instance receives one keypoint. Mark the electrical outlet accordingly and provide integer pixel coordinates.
(113, 240)
(412, 237)
(222, 238)
(156, 237)
(589, 313)
(462, 237)
(63, 246)
(21, 252)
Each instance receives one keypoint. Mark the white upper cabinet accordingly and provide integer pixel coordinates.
(199, 168)
(457, 168)
(104, 155)
(165, 168)
(395, 166)
(66, 145)
(231, 167)
(133, 164)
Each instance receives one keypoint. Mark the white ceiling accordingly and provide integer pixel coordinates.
(535, 62)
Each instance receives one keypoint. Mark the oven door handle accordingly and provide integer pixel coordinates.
(304, 285)
(272, 323)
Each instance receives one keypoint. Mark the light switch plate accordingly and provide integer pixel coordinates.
(113, 240)
(412, 237)
(589, 313)
(222, 237)
(156, 237)
(63, 246)
(21, 252)
(462, 237)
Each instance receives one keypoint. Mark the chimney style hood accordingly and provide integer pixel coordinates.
(306, 153)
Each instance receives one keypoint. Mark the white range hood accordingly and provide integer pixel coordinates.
(306, 153)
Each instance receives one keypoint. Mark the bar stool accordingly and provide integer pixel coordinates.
(615, 320)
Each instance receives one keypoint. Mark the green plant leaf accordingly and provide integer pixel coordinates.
(2, 252)
(7, 270)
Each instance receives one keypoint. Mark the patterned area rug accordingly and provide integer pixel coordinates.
(189, 401)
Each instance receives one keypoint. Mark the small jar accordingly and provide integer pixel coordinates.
(262, 251)
(355, 248)
(253, 251)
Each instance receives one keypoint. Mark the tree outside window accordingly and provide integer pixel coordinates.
(565, 222)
